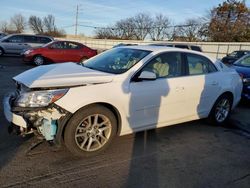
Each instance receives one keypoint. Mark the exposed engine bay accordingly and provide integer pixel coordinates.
(39, 120)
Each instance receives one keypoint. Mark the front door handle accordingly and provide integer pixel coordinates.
(178, 89)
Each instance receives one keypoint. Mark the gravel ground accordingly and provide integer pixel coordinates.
(187, 155)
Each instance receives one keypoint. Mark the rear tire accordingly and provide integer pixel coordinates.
(90, 131)
(221, 110)
(38, 60)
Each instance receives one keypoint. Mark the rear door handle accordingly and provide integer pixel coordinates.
(214, 83)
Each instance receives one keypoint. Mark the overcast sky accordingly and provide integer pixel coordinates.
(105, 12)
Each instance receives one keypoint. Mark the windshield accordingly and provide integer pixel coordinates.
(117, 60)
(245, 62)
(5, 37)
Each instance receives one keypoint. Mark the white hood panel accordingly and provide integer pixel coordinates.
(61, 75)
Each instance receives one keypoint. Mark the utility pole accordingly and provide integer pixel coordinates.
(76, 24)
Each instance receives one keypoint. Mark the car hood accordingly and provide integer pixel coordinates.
(61, 75)
(243, 70)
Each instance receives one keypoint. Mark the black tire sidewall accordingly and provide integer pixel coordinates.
(69, 134)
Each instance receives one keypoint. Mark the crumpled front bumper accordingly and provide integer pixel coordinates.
(9, 115)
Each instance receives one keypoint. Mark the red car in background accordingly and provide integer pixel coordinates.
(59, 52)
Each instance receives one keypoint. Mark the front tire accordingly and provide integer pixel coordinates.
(90, 131)
(221, 110)
(38, 60)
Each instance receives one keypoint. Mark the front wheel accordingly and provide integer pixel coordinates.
(90, 131)
(38, 60)
(221, 110)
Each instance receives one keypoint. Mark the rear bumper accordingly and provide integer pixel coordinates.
(10, 116)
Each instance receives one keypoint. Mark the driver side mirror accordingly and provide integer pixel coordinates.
(147, 75)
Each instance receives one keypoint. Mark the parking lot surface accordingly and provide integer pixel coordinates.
(193, 154)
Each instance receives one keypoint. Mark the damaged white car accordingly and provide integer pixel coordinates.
(120, 91)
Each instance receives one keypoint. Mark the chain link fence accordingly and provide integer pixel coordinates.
(212, 49)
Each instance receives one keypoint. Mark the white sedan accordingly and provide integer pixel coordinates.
(118, 92)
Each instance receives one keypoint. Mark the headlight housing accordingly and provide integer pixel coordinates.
(39, 98)
(28, 52)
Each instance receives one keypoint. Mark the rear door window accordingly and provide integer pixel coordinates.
(44, 40)
(30, 39)
(59, 45)
(72, 45)
(199, 65)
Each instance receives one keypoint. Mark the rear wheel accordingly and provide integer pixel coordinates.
(38, 60)
(90, 131)
(221, 110)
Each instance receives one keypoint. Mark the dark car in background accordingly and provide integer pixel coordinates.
(179, 45)
(234, 56)
(17, 43)
(59, 52)
(242, 66)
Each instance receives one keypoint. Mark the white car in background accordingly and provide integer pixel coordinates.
(118, 92)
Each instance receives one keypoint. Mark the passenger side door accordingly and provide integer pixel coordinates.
(161, 100)
(55, 52)
(202, 85)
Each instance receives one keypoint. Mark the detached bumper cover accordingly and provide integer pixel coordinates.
(10, 116)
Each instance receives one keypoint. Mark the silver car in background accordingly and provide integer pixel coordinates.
(17, 43)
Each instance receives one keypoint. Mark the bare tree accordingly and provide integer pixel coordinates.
(49, 27)
(36, 24)
(189, 30)
(143, 24)
(125, 29)
(104, 33)
(160, 27)
(4, 27)
(49, 23)
(18, 23)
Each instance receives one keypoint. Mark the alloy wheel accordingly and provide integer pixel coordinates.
(222, 110)
(93, 132)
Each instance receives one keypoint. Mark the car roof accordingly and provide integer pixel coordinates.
(159, 49)
(30, 35)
